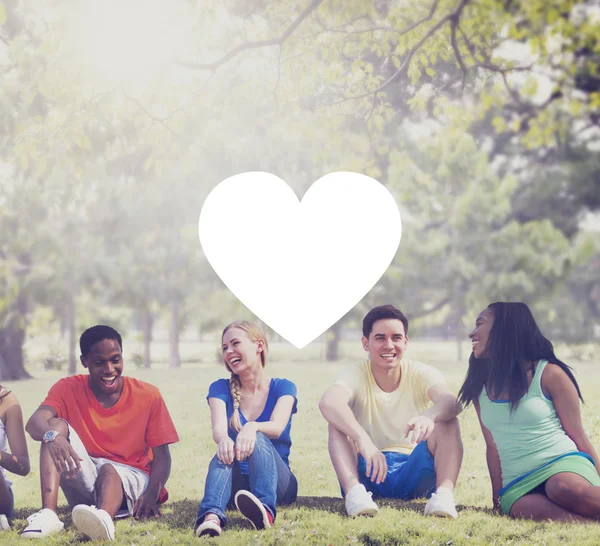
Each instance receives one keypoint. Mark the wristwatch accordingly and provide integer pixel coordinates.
(50, 436)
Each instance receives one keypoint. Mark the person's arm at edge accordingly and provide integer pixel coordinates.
(562, 391)
(17, 461)
(492, 458)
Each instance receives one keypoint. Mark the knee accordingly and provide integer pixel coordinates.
(558, 488)
(107, 471)
(447, 429)
(216, 463)
(445, 433)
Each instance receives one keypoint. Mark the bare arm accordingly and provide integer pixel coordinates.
(220, 428)
(445, 405)
(279, 418)
(218, 419)
(147, 504)
(334, 406)
(38, 425)
(562, 391)
(17, 461)
(246, 439)
(493, 459)
(62, 453)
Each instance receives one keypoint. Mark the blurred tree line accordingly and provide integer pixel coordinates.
(481, 117)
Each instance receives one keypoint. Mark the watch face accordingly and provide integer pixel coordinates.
(50, 435)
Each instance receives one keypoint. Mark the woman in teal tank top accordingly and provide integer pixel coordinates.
(542, 464)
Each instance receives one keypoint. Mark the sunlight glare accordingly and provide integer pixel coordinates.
(124, 41)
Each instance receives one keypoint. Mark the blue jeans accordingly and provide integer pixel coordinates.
(269, 479)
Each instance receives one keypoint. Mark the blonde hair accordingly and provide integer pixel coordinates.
(255, 334)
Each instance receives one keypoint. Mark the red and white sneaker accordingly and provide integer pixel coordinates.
(209, 528)
(254, 510)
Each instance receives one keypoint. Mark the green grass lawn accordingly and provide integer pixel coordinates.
(318, 516)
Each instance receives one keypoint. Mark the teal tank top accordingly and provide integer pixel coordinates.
(528, 437)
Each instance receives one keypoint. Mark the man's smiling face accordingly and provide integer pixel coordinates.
(104, 362)
(386, 344)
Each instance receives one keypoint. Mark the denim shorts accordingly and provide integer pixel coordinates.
(408, 477)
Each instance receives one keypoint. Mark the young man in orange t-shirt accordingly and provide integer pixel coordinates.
(105, 441)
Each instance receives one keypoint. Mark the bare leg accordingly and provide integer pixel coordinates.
(446, 447)
(539, 507)
(109, 490)
(49, 476)
(344, 459)
(575, 494)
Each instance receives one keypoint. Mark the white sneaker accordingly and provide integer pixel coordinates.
(93, 522)
(4, 525)
(359, 502)
(43, 524)
(441, 504)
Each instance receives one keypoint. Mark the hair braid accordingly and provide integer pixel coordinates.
(236, 393)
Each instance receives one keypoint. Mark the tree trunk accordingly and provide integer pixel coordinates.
(72, 335)
(147, 323)
(333, 342)
(174, 358)
(12, 338)
(11, 354)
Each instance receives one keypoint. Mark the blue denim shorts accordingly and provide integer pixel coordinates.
(408, 477)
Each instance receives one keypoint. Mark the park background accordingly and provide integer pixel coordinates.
(117, 119)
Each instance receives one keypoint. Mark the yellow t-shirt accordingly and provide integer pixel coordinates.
(384, 415)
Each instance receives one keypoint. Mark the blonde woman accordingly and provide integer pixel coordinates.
(251, 415)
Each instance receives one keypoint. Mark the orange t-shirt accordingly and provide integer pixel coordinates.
(124, 433)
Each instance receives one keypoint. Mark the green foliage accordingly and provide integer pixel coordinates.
(484, 132)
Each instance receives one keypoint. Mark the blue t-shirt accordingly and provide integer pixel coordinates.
(278, 388)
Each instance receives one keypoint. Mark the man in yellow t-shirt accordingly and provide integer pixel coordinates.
(393, 430)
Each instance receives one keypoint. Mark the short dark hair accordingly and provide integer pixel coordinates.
(95, 334)
(381, 313)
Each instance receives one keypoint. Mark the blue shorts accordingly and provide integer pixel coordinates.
(408, 477)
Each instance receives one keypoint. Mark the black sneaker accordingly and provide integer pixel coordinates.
(253, 510)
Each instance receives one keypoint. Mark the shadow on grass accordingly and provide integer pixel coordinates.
(335, 505)
(181, 514)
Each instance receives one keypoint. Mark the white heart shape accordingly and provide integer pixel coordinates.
(300, 266)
